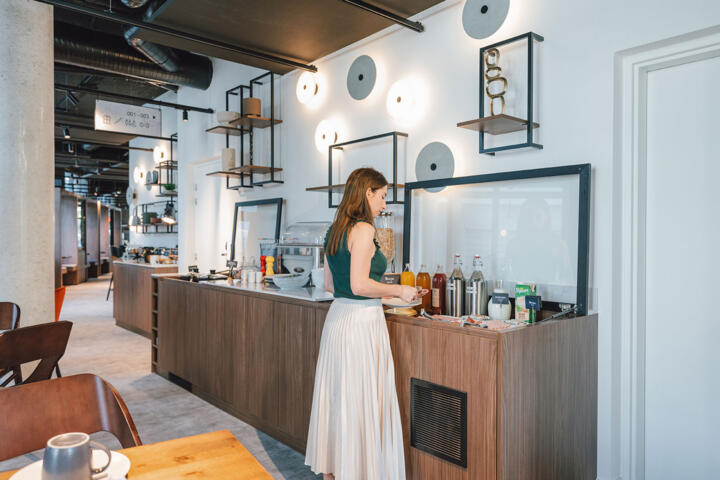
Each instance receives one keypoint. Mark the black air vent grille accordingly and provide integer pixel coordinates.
(438, 421)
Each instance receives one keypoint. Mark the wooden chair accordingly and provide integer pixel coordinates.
(45, 342)
(10, 320)
(78, 403)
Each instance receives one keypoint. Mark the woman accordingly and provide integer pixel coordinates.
(355, 431)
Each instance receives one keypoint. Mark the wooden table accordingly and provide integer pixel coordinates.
(216, 455)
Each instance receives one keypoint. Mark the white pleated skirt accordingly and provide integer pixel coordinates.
(355, 431)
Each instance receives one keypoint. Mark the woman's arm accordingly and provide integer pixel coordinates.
(329, 286)
(362, 249)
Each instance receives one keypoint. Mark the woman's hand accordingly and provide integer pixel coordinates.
(408, 294)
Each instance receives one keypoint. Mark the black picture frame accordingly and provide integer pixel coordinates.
(254, 203)
(583, 171)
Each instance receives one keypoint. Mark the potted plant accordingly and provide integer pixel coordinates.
(170, 187)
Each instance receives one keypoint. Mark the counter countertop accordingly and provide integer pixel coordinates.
(146, 265)
(310, 294)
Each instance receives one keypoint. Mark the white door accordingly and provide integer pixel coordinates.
(682, 306)
(213, 217)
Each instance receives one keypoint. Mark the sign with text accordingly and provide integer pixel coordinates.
(125, 118)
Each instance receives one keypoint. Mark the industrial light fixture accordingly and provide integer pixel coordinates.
(66, 132)
(325, 135)
(185, 115)
(71, 148)
(169, 214)
(307, 88)
(135, 220)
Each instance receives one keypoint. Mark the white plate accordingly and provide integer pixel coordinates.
(119, 467)
(398, 302)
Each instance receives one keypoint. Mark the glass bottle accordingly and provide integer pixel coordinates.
(407, 277)
(438, 291)
(423, 281)
(476, 290)
(455, 290)
(385, 236)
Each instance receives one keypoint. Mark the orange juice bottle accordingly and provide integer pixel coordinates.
(423, 281)
(407, 277)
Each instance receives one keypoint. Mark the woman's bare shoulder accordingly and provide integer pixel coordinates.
(362, 231)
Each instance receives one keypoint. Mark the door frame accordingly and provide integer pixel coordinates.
(631, 69)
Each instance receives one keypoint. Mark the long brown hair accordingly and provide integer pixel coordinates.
(354, 205)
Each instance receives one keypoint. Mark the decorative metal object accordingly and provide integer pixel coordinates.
(434, 161)
(361, 77)
(482, 18)
(493, 74)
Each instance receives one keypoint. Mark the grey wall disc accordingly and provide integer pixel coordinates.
(361, 77)
(434, 161)
(482, 18)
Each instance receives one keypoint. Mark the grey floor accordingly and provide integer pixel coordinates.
(160, 409)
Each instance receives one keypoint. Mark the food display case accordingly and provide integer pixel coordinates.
(301, 246)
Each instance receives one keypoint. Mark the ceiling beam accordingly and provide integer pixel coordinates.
(99, 144)
(123, 96)
(83, 127)
(386, 14)
(114, 17)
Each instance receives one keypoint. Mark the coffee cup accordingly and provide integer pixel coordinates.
(68, 456)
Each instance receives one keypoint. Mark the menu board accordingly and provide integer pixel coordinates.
(525, 231)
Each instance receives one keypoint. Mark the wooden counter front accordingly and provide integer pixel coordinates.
(531, 392)
(132, 299)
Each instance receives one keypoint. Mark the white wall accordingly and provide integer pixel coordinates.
(144, 160)
(575, 81)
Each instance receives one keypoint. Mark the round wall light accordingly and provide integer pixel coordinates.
(401, 101)
(158, 154)
(326, 134)
(138, 174)
(307, 88)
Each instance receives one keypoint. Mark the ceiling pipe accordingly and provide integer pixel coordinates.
(114, 17)
(106, 53)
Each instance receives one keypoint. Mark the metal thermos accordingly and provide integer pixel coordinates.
(454, 297)
(476, 291)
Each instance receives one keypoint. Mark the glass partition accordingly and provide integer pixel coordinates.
(252, 221)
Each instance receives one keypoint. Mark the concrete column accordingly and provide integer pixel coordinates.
(27, 160)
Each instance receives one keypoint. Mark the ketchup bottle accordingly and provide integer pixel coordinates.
(438, 292)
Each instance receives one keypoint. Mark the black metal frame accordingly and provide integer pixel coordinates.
(393, 184)
(115, 17)
(253, 203)
(240, 91)
(583, 171)
(122, 96)
(529, 142)
(168, 166)
(381, 12)
(169, 228)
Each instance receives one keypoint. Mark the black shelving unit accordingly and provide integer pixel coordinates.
(155, 227)
(340, 188)
(502, 123)
(246, 125)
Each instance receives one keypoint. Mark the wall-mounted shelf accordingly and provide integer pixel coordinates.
(225, 130)
(503, 123)
(249, 121)
(167, 173)
(167, 194)
(225, 174)
(393, 186)
(259, 169)
(497, 124)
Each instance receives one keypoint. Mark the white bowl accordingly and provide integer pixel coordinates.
(290, 281)
(226, 117)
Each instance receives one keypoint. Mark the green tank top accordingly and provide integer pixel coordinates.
(340, 267)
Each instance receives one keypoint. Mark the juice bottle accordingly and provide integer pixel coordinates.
(407, 277)
(438, 291)
(423, 281)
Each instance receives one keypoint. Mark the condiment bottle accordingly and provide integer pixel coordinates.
(438, 291)
(423, 281)
(407, 277)
(455, 290)
(476, 290)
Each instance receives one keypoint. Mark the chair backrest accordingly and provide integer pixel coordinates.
(45, 342)
(78, 403)
(9, 316)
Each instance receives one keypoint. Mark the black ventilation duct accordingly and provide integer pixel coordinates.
(164, 57)
(107, 53)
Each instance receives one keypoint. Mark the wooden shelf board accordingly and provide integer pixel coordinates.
(167, 194)
(254, 122)
(497, 124)
(254, 169)
(222, 173)
(340, 188)
(223, 129)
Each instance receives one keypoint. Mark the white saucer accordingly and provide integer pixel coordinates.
(398, 302)
(119, 467)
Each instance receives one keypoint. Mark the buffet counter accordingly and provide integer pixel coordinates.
(132, 300)
(530, 393)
